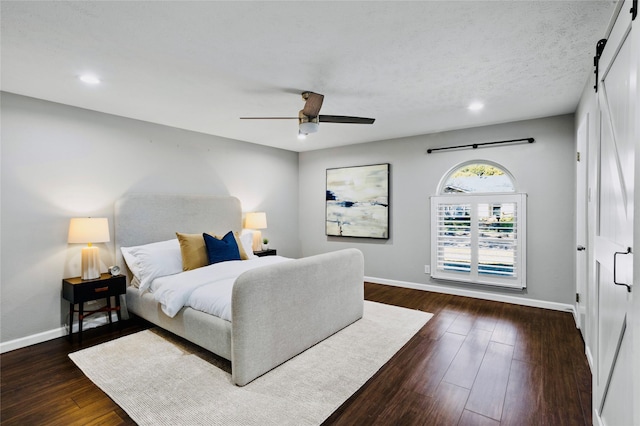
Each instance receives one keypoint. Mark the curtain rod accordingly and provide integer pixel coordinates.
(476, 145)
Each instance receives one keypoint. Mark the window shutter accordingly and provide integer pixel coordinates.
(497, 239)
(454, 237)
(479, 238)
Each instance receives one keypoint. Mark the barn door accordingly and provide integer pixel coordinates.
(614, 227)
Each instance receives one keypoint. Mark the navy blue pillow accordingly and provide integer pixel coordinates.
(221, 250)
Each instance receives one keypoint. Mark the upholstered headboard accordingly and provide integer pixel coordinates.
(148, 218)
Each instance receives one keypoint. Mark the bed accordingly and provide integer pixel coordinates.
(277, 311)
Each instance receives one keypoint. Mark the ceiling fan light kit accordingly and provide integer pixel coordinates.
(309, 117)
(307, 127)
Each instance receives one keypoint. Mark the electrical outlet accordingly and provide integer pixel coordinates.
(427, 269)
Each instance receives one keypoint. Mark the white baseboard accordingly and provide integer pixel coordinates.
(22, 342)
(102, 320)
(597, 420)
(589, 359)
(34, 339)
(477, 294)
(576, 319)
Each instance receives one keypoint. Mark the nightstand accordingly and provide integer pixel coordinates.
(262, 253)
(78, 291)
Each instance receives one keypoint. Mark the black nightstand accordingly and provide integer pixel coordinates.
(77, 290)
(262, 253)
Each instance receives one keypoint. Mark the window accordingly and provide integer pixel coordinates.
(478, 227)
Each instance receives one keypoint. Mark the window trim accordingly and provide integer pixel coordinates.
(473, 276)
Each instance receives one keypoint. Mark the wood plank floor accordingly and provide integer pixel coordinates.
(475, 363)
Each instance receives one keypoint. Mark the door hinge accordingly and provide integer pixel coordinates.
(578, 156)
(577, 297)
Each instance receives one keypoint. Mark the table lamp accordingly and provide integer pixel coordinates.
(89, 230)
(256, 221)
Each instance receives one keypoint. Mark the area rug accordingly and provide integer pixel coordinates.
(159, 380)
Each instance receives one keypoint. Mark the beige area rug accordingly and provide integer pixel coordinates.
(159, 380)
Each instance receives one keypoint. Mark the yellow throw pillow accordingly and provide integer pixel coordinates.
(193, 251)
(243, 254)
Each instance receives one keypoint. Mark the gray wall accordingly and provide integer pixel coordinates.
(544, 170)
(60, 162)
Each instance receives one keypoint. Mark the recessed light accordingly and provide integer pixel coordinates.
(89, 79)
(475, 106)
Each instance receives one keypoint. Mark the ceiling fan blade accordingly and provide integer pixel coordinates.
(345, 119)
(268, 118)
(313, 104)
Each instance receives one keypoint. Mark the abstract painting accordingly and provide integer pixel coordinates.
(358, 201)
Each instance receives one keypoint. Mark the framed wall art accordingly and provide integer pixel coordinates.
(357, 201)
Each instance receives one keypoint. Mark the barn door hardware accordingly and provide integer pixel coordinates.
(596, 59)
(614, 268)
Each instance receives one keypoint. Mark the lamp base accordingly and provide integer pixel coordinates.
(257, 240)
(90, 263)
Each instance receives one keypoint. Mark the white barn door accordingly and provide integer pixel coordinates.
(613, 252)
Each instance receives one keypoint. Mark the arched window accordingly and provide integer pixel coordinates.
(478, 226)
(477, 177)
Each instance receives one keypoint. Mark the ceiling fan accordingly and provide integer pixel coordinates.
(309, 117)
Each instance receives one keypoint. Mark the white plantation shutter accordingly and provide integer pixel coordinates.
(454, 237)
(479, 238)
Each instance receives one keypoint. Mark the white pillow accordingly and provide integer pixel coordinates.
(246, 239)
(150, 261)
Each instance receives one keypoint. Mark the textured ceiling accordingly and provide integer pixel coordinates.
(414, 66)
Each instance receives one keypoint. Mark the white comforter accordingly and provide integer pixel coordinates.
(207, 289)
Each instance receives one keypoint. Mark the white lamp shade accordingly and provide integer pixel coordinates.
(88, 230)
(256, 220)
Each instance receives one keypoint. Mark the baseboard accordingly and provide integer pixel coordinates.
(589, 359)
(597, 420)
(576, 317)
(98, 321)
(22, 342)
(34, 339)
(476, 294)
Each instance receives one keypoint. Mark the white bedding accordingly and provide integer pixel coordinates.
(207, 289)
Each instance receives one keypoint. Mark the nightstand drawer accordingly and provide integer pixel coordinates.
(99, 290)
(76, 291)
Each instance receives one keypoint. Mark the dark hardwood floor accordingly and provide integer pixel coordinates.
(474, 363)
